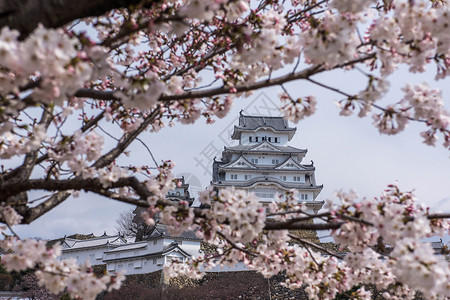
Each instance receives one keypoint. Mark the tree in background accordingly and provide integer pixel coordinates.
(130, 224)
(73, 71)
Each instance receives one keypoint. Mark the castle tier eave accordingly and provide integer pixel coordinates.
(266, 180)
(261, 181)
(252, 149)
(151, 255)
(179, 198)
(228, 166)
(239, 130)
(267, 168)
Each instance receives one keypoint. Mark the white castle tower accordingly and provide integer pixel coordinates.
(265, 164)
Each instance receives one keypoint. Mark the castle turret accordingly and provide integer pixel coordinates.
(264, 163)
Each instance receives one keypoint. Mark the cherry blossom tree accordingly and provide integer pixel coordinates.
(70, 68)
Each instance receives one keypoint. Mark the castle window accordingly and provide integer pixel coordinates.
(276, 140)
(297, 178)
(250, 139)
(283, 177)
(155, 242)
(254, 160)
(270, 139)
(275, 161)
(256, 139)
(233, 176)
(304, 197)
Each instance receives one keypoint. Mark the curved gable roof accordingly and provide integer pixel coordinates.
(236, 161)
(252, 123)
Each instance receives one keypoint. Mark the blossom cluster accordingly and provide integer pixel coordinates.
(77, 150)
(381, 239)
(9, 214)
(56, 275)
(12, 145)
(47, 53)
(332, 41)
(296, 110)
(159, 185)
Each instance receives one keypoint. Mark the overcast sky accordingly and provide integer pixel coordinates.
(348, 153)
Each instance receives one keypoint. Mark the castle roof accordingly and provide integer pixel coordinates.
(129, 246)
(160, 230)
(272, 149)
(253, 123)
(274, 168)
(73, 244)
(170, 248)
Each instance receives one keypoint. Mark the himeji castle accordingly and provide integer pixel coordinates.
(265, 164)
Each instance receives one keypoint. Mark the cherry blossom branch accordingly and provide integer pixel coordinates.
(31, 157)
(125, 141)
(115, 196)
(233, 245)
(88, 125)
(4, 219)
(295, 17)
(354, 97)
(314, 245)
(289, 225)
(305, 74)
(148, 150)
(129, 29)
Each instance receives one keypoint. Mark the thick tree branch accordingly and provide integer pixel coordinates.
(314, 245)
(301, 226)
(96, 94)
(115, 196)
(25, 15)
(16, 186)
(125, 141)
(31, 214)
